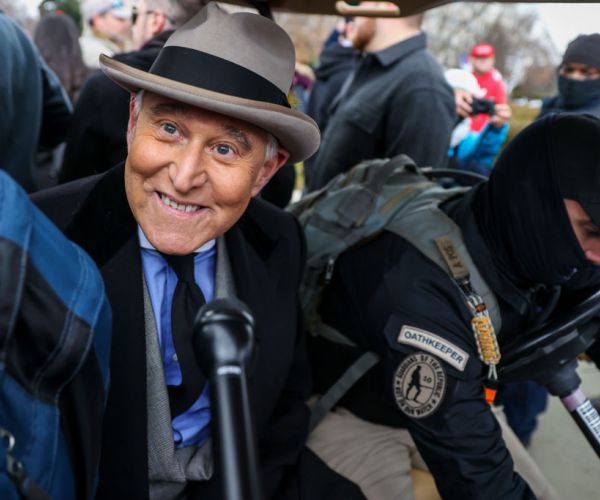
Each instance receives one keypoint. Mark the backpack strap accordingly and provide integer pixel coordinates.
(341, 386)
(437, 236)
(344, 383)
(423, 227)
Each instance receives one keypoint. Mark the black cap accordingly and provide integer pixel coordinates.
(585, 49)
(576, 142)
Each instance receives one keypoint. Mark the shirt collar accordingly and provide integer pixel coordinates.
(401, 49)
(144, 243)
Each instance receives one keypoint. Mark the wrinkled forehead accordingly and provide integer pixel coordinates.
(156, 105)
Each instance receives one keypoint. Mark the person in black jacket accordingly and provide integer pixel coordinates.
(533, 231)
(396, 101)
(578, 79)
(335, 66)
(96, 139)
(175, 226)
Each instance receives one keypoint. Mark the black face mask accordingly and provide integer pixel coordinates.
(574, 94)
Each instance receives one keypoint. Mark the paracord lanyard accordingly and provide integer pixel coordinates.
(481, 322)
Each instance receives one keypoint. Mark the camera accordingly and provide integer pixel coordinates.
(484, 106)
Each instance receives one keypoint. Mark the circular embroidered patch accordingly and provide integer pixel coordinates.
(419, 385)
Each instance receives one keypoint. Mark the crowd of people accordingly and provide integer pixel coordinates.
(168, 133)
(343, 85)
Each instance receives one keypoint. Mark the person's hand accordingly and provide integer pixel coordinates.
(463, 100)
(502, 114)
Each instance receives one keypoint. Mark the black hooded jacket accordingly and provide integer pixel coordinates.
(518, 233)
(516, 226)
(335, 64)
(97, 136)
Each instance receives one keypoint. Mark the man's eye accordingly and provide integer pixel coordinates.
(169, 128)
(224, 149)
(592, 231)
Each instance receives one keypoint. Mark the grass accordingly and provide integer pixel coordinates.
(521, 117)
(299, 176)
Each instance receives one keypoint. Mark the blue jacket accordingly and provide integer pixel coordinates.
(55, 335)
(478, 150)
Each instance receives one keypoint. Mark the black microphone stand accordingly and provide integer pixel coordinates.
(223, 344)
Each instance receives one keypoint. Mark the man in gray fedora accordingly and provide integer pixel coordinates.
(178, 221)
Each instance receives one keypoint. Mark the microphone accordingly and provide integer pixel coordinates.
(223, 343)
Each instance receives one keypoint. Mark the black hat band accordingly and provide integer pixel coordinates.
(213, 73)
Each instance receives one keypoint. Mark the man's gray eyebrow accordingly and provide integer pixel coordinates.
(164, 108)
(239, 135)
(236, 133)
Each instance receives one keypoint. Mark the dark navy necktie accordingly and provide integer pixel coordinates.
(187, 299)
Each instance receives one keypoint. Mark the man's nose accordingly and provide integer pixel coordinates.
(187, 171)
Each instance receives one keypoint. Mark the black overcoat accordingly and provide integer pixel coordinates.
(266, 251)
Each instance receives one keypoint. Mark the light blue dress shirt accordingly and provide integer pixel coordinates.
(191, 428)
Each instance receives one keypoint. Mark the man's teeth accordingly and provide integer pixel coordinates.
(177, 206)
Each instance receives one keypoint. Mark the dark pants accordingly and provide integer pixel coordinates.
(523, 403)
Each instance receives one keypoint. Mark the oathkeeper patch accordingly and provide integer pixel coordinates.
(419, 385)
(427, 341)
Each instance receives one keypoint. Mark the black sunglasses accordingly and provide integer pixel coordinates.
(135, 14)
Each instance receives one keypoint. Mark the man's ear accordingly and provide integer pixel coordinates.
(269, 169)
(593, 256)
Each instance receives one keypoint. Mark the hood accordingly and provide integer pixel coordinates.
(520, 211)
(335, 58)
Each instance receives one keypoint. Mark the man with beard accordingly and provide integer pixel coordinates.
(396, 101)
(578, 78)
(533, 232)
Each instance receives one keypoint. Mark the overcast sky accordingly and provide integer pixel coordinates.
(567, 20)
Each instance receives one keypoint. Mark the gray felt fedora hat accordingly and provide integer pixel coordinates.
(240, 65)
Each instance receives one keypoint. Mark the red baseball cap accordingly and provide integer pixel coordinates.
(483, 50)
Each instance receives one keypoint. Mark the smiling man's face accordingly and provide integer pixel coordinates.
(190, 173)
